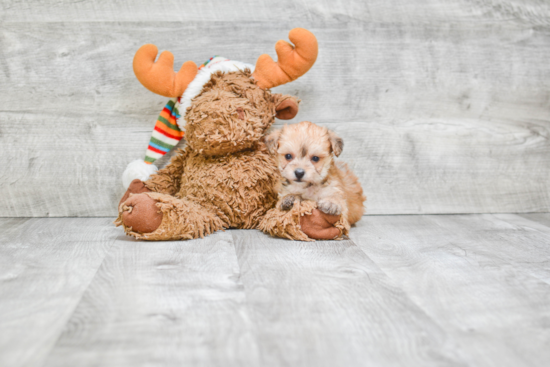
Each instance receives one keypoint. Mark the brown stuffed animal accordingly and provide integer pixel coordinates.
(225, 176)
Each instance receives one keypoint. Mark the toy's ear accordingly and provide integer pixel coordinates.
(336, 142)
(272, 141)
(286, 107)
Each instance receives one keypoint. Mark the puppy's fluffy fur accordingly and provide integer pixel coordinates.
(305, 156)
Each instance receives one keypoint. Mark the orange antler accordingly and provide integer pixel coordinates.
(159, 77)
(292, 63)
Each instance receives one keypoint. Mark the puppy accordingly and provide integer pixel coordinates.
(305, 156)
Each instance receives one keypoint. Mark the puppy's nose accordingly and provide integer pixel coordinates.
(299, 173)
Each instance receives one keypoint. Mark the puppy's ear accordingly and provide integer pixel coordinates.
(286, 107)
(272, 141)
(336, 142)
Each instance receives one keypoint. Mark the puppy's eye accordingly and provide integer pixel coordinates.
(315, 158)
(288, 156)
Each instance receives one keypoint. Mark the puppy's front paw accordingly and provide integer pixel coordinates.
(288, 202)
(329, 207)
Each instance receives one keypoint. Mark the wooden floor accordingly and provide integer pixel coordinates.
(441, 290)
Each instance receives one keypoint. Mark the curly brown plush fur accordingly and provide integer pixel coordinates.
(303, 222)
(230, 114)
(182, 219)
(225, 176)
(238, 187)
(225, 167)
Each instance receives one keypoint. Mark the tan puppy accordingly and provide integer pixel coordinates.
(305, 157)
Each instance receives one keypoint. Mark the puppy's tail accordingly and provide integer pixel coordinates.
(354, 193)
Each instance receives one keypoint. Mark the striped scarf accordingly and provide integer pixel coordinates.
(166, 134)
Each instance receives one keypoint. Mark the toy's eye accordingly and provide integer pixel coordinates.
(288, 156)
(315, 158)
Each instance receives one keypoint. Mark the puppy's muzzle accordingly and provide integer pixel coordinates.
(299, 173)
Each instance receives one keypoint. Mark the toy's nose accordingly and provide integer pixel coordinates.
(299, 173)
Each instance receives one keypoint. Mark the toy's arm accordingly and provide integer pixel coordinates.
(168, 179)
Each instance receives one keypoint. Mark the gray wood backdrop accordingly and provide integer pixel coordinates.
(444, 105)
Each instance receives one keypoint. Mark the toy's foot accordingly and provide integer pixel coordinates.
(303, 223)
(141, 214)
(154, 216)
(136, 187)
(320, 226)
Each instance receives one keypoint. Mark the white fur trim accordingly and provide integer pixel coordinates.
(137, 169)
(195, 87)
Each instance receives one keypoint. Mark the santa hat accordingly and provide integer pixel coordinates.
(170, 124)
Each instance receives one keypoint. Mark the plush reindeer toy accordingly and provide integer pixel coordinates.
(224, 177)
